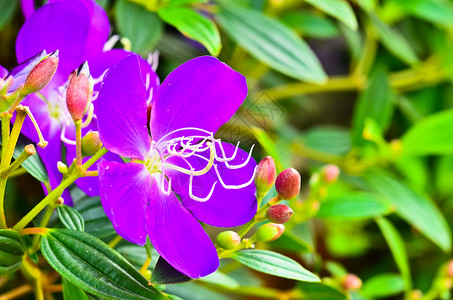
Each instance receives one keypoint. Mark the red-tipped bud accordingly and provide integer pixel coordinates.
(41, 74)
(330, 173)
(228, 240)
(279, 213)
(450, 269)
(80, 91)
(351, 282)
(269, 232)
(265, 176)
(288, 184)
(91, 143)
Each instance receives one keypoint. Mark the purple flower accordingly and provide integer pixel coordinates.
(182, 174)
(79, 29)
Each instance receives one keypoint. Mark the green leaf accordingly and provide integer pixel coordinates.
(11, 251)
(398, 249)
(419, 211)
(90, 264)
(275, 264)
(272, 43)
(269, 146)
(435, 11)
(394, 41)
(311, 25)
(376, 102)
(96, 221)
(70, 218)
(220, 279)
(72, 292)
(383, 285)
(328, 139)
(194, 26)
(319, 291)
(8, 9)
(432, 135)
(355, 206)
(339, 9)
(142, 27)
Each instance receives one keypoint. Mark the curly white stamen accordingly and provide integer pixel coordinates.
(111, 42)
(64, 138)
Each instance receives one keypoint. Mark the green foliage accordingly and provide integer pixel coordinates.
(11, 251)
(70, 218)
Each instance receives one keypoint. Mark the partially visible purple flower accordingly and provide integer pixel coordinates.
(212, 178)
(79, 29)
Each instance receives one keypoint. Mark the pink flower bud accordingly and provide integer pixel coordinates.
(330, 173)
(265, 176)
(279, 213)
(41, 74)
(351, 282)
(91, 143)
(270, 232)
(288, 184)
(450, 269)
(228, 240)
(80, 91)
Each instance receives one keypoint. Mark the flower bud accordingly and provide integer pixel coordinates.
(269, 232)
(79, 93)
(228, 240)
(351, 282)
(91, 143)
(62, 167)
(41, 74)
(450, 269)
(288, 184)
(60, 201)
(265, 176)
(330, 173)
(279, 213)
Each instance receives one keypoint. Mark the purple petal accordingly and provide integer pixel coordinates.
(28, 7)
(177, 235)
(21, 71)
(3, 72)
(60, 26)
(226, 207)
(124, 191)
(202, 93)
(121, 111)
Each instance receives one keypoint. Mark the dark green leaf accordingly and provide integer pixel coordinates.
(432, 135)
(271, 42)
(7, 9)
(72, 292)
(11, 251)
(164, 273)
(70, 218)
(274, 263)
(376, 103)
(339, 9)
(96, 221)
(90, 264)
(329, 139)
(355, 206)
(398, 249)
(319, 291)
(383, 285)
(142, 27)
(194, 26)
(419, 211)
(394, 41)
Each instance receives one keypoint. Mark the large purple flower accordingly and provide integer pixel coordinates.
(182, 174)
(79, 30)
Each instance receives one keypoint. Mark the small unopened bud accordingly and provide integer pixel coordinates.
(450, 269)
(279, 213)
(228, 240)
(288, 184)
(41, 74)
(415, 295)
(330, 173)
(79, 93)
(91, 143)
(62, 167)
(269, 232)
(351, 282)
(60, 201)
(265, 176)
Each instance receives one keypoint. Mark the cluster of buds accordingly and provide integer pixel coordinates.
(80, 92)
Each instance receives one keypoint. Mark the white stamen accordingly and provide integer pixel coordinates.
(234, 187)
(111, 42)
(64, 138)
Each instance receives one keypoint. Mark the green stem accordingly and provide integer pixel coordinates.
(5, 118)
(18, 172)
(116, 240)
(28, 151)
(78, 126)
(53, 195)
(45, 219)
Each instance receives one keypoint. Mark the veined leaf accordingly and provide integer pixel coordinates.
(70, 218)
(90, 264)
(339, 9)
(272, 43)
